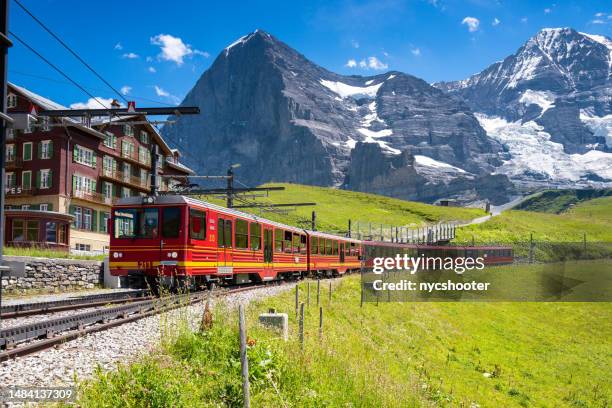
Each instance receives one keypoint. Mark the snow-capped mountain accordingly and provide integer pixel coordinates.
(550, 105)
(284, 118)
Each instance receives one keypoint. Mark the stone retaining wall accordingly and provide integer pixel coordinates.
(53, 275)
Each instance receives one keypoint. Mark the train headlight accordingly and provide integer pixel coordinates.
(174, 255)
(148, 200)
(117, 254)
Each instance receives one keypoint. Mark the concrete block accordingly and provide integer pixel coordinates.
(110, 281)
(276, 321)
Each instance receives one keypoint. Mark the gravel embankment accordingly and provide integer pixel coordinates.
(78, 359)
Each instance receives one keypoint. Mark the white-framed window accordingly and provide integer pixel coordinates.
(107, 190)
(10, 152)
(144, 137)
(104, 221)
(87, 214)
(142, 154)
(127, 149)
(144, 176)
(84, 156)
(125, 192)
(127, 171)
(11, 100)
(27, 151)
(26, 179)
(25, 207)
(82, 247)
(128, 130)
(109, 166)
(110, 140)
(10, 134)
(46, 149)
(78, 217)
(45, 178)
(83, 184)
(11, 180)
(44, 207)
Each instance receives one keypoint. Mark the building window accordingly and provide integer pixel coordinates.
(32, 230)
(11, 100)
(107, 189)
(104, 217)
(87, 219)
(45, 178)
(128, 130)
(82, 247)
(10, 134)
(144, 176)
(127, 172)
(127, 149)
(44, 207)
(11, 180)
(45, 149)
(125, 192)
(84, 156)
(26, 180)
(78, 217)
(10, 152)
(25, 207)
(27, 151)
(50, 231)
(83, 184)
(142, 154)
(110, 140)
(18, 230)
(109, 166)
(144, 137)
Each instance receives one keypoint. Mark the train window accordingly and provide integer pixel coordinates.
(303, 246)
(287, 242)
(321, 246)
(242, 234)
(328, 247)
(296, 243)
(171, 222)
(227, 234)
(347, 248)
(255, 236)
(314, 245)
(197, 224)
(220, 232)
(278, 240)
(136, 223)
(334, 247)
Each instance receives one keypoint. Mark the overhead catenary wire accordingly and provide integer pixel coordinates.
(55, 67)
(77, 56)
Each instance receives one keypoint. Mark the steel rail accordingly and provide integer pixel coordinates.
(28, 309)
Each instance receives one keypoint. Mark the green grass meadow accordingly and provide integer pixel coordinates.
(385, 355)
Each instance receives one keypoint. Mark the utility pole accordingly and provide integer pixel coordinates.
(230, 187)
(313, 221)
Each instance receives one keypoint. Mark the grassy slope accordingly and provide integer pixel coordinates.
(558, 201)
(392, 355)
(335, 207)
(593, 217)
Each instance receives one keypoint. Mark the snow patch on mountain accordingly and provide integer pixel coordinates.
(372, 116)
(429, 162)
(601, 126)
(544, 99)
(345, 90)
(372, 136)
(535, 157)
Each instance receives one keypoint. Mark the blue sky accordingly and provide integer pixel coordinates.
(155, 51)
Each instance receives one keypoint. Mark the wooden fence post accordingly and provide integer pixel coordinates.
(244, 362)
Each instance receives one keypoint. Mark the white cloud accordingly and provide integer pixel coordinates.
(125, 89)
(160, 92)
(363, 64)
(152, 70)
(354, 43)
(547, 10)
(495, 22)
(375, 63)
(118, 46)
(600, 14)
(598, 21)
(130, 55)
(92, 103)
(351, 63)
(472, 23)
(524, 20)
(416, 52)
(174, 49)
(149, 59)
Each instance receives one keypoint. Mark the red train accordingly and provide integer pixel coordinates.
(183, 240)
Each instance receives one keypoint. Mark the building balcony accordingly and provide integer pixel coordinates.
(126, 179)
(134, 158)
(17, 191)
(94, 197)
(13, 163)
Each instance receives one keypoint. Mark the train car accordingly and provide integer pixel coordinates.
(331, 255)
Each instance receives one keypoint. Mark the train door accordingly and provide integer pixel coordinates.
(225, 265)
(268, 251)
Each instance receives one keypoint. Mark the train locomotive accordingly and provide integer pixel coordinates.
(176, 241)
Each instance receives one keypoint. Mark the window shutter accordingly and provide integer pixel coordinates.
(39, 150)
(51, 149)
(94, 160)
(93, 186)
(38, 179)
(72, 212)
(75, 152)
(35, 207)
(50, 180)
(73, 183)
(94, 220)
(49, 207)
(114, 190)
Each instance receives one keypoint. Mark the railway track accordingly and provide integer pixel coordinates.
(30, 338)
(82, 302)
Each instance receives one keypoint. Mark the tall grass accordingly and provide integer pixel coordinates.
(47, 253)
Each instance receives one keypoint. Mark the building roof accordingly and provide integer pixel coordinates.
(180, 167)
